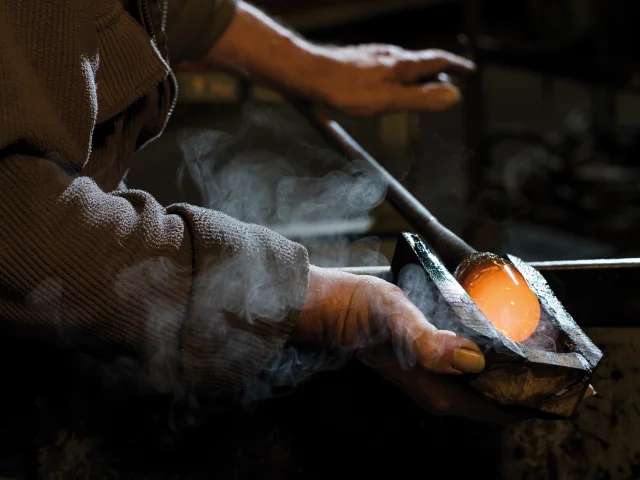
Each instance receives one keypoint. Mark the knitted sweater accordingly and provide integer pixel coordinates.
(201, 300)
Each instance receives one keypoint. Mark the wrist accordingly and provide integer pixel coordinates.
(256, 47)
(304, 68)
(325, 306)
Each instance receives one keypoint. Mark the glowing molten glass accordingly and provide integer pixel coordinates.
(502, 294)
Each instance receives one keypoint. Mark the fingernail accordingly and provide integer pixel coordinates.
(467, 361)
(590, 392)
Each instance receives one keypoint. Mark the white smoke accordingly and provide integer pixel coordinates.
(157, 372)
(266, 173)
(424, 294)
(545, 337)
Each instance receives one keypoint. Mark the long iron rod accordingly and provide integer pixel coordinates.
(451, 248)
(444, 241)
(550, 266)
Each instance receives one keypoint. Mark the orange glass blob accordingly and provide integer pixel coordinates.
(501, 293)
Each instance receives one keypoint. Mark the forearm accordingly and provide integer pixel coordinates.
(257, 48)
(201, 300)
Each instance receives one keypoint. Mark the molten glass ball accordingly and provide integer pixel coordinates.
(501, 293)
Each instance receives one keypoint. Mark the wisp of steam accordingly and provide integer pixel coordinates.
(266, 173)
(269, 174)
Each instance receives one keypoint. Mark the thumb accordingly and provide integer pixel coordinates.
(415, 340)
(442, 351)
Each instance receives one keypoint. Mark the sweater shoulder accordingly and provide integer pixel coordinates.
(49, 57)
(66, 66)
(130, 63)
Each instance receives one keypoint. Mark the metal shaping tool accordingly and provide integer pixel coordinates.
(546, 383)
(517, 374)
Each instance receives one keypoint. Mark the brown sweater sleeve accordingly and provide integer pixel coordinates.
(203, 300)
(194, 26)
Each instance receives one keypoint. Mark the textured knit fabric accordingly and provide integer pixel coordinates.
(195, 26)
(201, 300)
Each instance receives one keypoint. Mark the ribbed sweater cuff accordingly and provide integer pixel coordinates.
(249, 286)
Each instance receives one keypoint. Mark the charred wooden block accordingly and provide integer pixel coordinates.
(549, 379)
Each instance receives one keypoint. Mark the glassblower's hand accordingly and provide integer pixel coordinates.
(361, 312)
(390, 335)
(373, 79)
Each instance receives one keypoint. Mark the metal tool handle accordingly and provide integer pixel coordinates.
(451, 248)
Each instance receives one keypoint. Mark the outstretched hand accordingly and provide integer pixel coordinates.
(360, 79)
(372, 79)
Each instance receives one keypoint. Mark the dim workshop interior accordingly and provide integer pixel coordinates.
(529, 189)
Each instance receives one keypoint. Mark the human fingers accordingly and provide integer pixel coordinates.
(412, 66)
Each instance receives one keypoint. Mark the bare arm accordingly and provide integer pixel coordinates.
(360, 79)
(256, 47)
